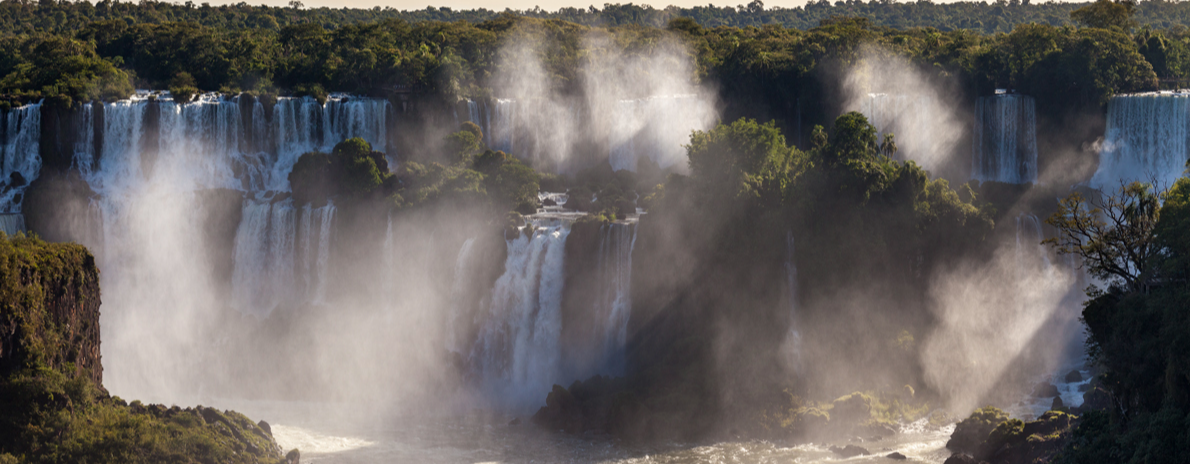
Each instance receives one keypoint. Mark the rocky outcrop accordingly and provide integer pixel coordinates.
(53, 407)
(49, 309)
(1010, 440)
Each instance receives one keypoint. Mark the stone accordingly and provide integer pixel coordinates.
(1045, 390)
(1073, 377)
(1057, 404)
(264, 425)
(896, 456)
(961, 459)
(293, 456)
(851, 450)
(514, 422)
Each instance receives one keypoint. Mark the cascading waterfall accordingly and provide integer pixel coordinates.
(503, 128)
(1005, 139)
(281, 255)
(201, 145)
(20, 159)
(517, 352)
(303, 125)
(614, 298)
(655, 127)
(1146, 140)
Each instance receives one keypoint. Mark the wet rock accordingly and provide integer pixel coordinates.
(1073, 377)
(970, 433)
(1096, 399)
(1045, 389)
(961, 459)
(896, 456)
(851, 450)
(1057, 404)
(514, 422)
(293, 456)
(265, 426)
(548, 202)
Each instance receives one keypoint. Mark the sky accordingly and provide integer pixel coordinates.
(500, 5)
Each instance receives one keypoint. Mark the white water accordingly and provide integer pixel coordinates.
(1146, 140)
(1005, 139)
(791, 347)
(460, 285)
(925, 128)
(657, 128)
(152, 250)
(281, 255)
(617, 242)
(20, 160)
(12, 223)
(517, 353)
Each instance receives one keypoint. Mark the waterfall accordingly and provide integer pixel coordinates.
(504, 127)
(1005, 139)
(281, 255)
(792, 346)
(656, 127)
(517, 352)
(20, 159)
(460, 285)
(281, 251)
(199, 142)
(923, 126)
(614, 297)
(1031, 253)
(12, 223)
(303, 125)
(1146, 140)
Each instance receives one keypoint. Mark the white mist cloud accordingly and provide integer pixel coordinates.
(988, 315)
(898, 97)
(626, 105)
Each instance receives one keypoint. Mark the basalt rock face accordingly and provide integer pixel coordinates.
(49, 308)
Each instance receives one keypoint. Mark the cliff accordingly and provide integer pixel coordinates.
(53, 407)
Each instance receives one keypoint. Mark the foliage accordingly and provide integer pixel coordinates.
(1114, 237)
(352, 168)
(1135, 239)
(1105, 14)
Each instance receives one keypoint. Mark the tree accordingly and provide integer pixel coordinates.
(1114, 236)
(1106, 14)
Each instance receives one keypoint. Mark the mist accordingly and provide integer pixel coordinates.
(900, 97)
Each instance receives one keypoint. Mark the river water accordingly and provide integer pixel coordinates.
(343, 433)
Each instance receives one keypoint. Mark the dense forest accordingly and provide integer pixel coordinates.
(94, 52)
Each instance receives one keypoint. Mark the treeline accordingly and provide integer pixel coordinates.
(18, 16)
(761, 72)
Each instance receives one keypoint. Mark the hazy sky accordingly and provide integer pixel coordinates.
(499, 5)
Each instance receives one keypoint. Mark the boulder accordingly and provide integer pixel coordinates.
(970, 433)
(264, 425)
(1073, 377)
(1045, 390)
(1057, 403)
(961, 459)
(514, 422)
(849, 451)
(1096, 399)
(293, 457)
(896, 456)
